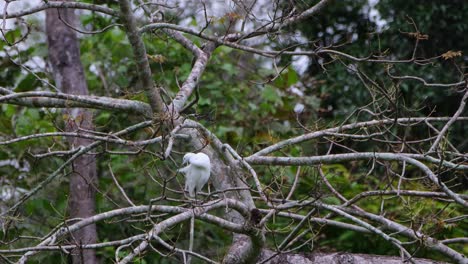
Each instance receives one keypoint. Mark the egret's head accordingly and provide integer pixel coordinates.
(187, 157)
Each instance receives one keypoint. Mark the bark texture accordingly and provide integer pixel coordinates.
(335, 258)
(64, 56)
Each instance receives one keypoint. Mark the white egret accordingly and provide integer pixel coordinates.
(197, 172)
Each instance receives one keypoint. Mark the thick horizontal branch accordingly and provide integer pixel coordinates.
(463, 240)
(181, 212)
(63, 100)
(59, 4)
(110, 139)
(424, 82)
(163, 225)
(431, 195)
(334, 258)
(321, 133)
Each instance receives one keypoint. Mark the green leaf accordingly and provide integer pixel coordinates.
(270, 94)
(13, 35)
(9, 110)
(27, 83)
(292, 76)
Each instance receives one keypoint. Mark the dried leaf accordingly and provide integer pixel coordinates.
(233, 16)
(418, 35)
(451, 54)
(158, 58)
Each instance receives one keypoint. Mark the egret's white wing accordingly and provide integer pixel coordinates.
(197, 172)
(203, 179)
(191, 179)
(200, 160)
(203, 165)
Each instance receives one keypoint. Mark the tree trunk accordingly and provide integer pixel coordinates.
(64, 56)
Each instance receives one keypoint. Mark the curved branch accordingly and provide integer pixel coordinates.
(110, 139)
(161, 226)
(321, 133)
(431, 195)
(64, 100)
(82, 150)
(192, 80)
(59, 4)
(428, 241)
(452, 120)
(317, 8)
(321, 221)
(356, 156)
(141, 59)
(386, 223)
(136, 210)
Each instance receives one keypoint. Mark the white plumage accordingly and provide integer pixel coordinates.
(197, 172)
